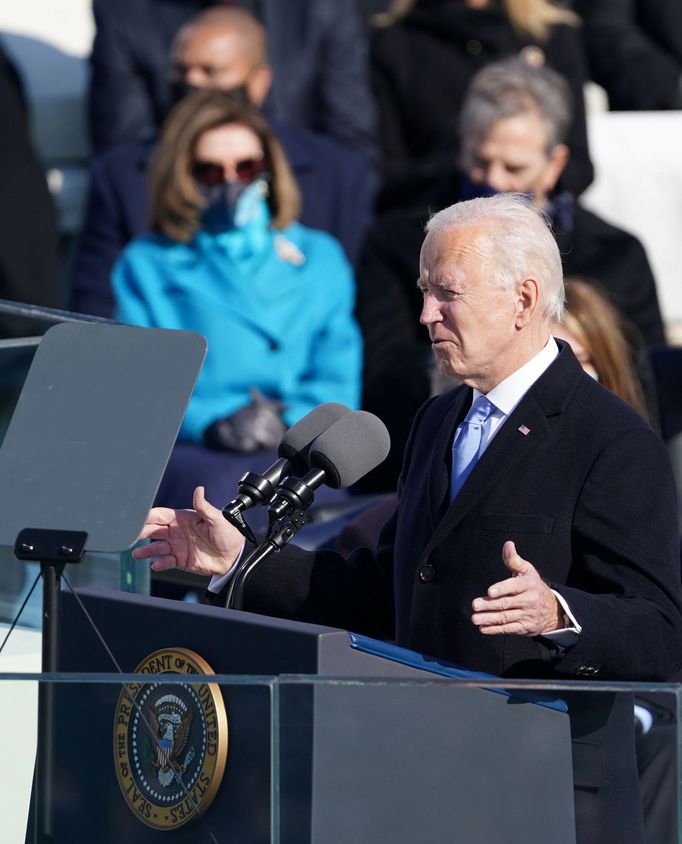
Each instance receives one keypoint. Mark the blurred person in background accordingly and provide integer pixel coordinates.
(29, 246)
(227, 258)
(634, 48)
(424, 54)
(29, 254)
(597, 335)
(317, 50)
(513, 127)
(225, 49)
(513, 138)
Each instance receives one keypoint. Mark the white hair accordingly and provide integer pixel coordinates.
(521, 243)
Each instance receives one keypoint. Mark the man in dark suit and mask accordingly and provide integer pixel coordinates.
(536, 531)
(317, 48)
(221, 48)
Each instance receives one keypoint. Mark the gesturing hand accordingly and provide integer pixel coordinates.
(522, 604)
(200, 540)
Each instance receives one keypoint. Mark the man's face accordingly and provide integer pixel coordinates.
(213, 57)
(471, 322)
(513, 157)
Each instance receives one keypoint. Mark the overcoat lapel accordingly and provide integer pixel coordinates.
(510, 446)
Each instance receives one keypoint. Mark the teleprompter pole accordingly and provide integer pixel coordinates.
(53, 549)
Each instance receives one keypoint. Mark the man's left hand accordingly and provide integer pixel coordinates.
(523, 604)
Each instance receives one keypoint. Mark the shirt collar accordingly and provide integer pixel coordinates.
(508, 393)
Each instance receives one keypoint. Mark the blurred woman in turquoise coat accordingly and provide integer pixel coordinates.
(227, 259)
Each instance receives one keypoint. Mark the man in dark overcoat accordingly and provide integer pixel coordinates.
(536, 530)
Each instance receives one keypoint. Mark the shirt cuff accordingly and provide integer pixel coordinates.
(645, 718)
(219, 581)
(568, 635)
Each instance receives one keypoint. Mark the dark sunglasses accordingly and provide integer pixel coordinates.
(209, 173)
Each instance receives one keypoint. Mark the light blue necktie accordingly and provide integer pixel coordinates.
(466, 448)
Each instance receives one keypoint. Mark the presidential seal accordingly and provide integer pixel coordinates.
(170, 741)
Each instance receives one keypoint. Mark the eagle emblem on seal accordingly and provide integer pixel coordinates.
(170, 739)
(170, 721)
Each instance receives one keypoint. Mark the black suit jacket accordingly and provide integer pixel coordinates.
(588, 497)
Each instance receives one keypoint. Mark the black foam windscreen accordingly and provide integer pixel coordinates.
(351, 447)
(297, 439)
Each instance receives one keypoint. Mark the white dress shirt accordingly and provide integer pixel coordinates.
(508, 393)
(218, 582)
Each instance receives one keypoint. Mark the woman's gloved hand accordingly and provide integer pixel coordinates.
(255, 427)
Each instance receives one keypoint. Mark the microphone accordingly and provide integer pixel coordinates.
(293, 459)
(350, 448)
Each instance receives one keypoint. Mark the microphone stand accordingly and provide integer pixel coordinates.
(275, 541)
(253, 489)
(287, 516)
(236, 518)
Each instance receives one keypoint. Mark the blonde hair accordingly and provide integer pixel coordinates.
(175, 201)
(529, 17)
(599, 327)
(537, 17)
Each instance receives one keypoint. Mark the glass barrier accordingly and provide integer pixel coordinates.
(295, 759)
(116, 759)
(110, 571)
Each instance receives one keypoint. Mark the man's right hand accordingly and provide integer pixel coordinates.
(200, 540)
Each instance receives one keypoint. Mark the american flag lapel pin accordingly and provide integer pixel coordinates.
(525, 430)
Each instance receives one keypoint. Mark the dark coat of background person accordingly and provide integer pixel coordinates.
(397, 352)
(582, 495)
(422, 67)
(634, 49)
(337, 187)
(317, 49)
(28, 234)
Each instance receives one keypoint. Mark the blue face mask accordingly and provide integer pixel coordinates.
(232, 205)
(476, 190)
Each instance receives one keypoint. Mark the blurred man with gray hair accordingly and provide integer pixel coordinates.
(512, 138)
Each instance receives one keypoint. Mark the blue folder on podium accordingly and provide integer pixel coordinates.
(412, 659)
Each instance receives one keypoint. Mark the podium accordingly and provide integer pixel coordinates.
(327, 743)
